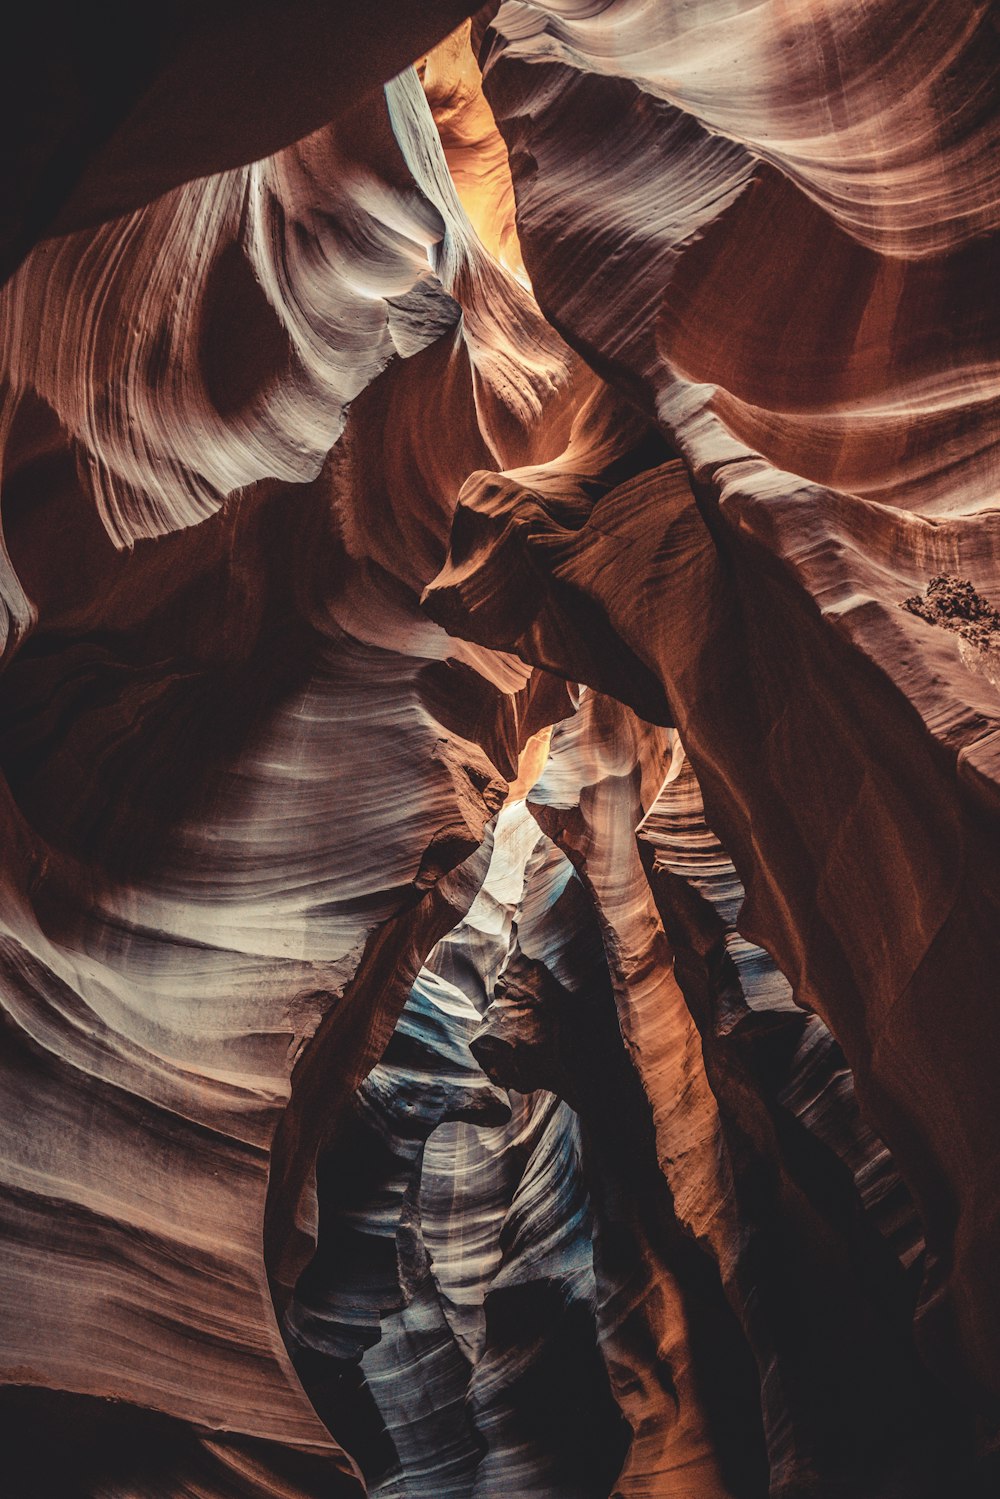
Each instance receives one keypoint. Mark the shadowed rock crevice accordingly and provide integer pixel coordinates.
(500, 751)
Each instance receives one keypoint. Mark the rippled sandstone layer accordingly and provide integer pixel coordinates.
(501, 888)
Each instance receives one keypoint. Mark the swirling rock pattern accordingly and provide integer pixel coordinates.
(807, 1195)
(424, 1073)
(193, 925)
(771, 293)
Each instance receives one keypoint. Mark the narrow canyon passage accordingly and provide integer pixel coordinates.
(500, 580)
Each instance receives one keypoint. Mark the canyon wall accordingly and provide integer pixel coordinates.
(499, 570)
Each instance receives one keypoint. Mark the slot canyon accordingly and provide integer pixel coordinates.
(500, 750)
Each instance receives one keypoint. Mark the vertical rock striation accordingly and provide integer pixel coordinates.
(771, 291)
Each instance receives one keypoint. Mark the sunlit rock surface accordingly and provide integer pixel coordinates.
(799, 292)
(499, 574)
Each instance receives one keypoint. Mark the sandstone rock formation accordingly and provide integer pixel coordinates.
(501, 882)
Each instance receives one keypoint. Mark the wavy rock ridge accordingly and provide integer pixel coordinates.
(501, 893)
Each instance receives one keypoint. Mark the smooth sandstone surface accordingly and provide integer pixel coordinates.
(499, 571)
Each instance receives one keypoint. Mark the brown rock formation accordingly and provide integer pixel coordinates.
(357, 1128)
(844, 747)
(106, 113)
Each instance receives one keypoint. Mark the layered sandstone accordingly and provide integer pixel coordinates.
(500, 909)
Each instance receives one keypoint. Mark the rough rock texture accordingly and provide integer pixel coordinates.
(500, 575)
